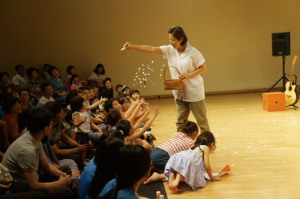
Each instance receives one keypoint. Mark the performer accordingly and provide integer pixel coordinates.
(190, 64)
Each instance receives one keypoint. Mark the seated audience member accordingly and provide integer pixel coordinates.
(25, 156)
(19, 79)
(71, 95)
(75, 83)
(105, 165)
(95, 87)
(26, 108)
(60, 90)
(63, 146)
(92, 93)
(132, 167)
(119, 90)
(34, 85)
(12, 107)
(24, 99)
(47, 92)
(82, 123)
(89, 171)
(134, 94)
(113, 117)
(6, 87)
(125, 89)
(125, 102)
(107, 91)
(71, 70)
(97, 75)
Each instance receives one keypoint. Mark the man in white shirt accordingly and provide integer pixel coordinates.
(47, 92)
(19, 79)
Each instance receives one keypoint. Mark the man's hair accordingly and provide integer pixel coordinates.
(54, 107)
(30, 70)
(17, 67)
(44, 85)
(38, 119)
(51, 69)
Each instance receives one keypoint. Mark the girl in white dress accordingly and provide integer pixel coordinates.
(189, 166)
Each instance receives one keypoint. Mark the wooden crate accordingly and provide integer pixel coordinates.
(273, 101)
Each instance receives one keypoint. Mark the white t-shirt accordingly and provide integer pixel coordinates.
(19, 80)
(188, 61)
(95, 77)
(43, 100)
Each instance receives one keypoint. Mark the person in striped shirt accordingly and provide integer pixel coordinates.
(180, 141)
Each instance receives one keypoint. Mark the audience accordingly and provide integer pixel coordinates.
(134, 94)
(119, 90)
(19, 79)
(34, 85)
(12, 107)
(97, 75)
(47, 92)
(6, 86)
(107, 91)
(24, 99)
(60, 90)
(25, 156)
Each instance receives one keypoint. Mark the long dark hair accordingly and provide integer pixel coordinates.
(106, 152)
(132, 164)
(97, 67)
(205, 138)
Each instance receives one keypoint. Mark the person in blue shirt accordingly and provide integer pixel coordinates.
(101, 153)
(132, 167)
(60, 90)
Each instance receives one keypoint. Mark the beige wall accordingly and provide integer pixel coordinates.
(234, 36)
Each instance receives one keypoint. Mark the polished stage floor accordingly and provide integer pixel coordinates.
(262, 148)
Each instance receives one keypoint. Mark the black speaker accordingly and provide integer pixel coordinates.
(281, 44)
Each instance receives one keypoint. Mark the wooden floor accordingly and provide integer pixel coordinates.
(262, 148)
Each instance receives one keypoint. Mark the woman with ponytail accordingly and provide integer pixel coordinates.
(189, 166)
(132, 167)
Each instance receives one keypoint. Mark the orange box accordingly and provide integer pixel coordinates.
(273, 101)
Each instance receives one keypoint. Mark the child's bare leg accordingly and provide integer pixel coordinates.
(175, 183)
(171, 180)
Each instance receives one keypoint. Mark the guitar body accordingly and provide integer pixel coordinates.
(291, 94)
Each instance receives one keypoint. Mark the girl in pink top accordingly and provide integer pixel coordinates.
(75, 81)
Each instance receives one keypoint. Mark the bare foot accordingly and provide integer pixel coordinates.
(176, 182)
(155, 177)
(171, 180)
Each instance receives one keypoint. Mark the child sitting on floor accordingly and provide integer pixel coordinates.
(134, 94)
(82, 122)
(189, 166)
(119, 90)
(75, 82)
(125, 89)
(132, 133)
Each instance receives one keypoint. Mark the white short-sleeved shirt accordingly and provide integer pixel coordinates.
(19, 80)
(188, 61)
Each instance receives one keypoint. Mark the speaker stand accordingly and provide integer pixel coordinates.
(283, 78)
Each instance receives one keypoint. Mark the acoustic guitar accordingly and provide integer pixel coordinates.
(291, 89)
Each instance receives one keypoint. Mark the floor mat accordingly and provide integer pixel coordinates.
(149, 190)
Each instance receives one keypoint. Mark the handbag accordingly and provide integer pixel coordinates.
(172, 84)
